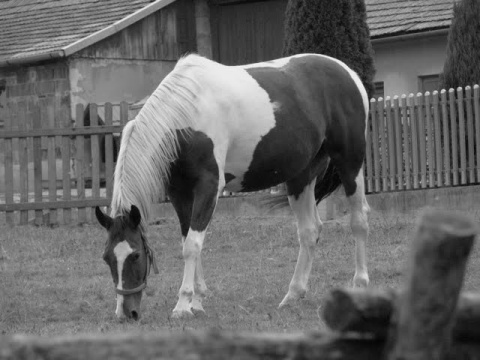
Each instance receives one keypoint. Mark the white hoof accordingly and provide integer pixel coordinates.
(182, 314)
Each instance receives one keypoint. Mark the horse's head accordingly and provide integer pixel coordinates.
(129, 257)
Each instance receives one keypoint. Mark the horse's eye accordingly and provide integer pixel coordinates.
(135, 256)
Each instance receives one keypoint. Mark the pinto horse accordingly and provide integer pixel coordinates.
(299, 120)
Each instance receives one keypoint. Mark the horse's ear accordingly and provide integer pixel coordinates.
(104, 220)
(135, 216)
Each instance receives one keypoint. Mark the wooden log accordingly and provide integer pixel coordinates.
(209, 345)
(368, 311)
(423, 322)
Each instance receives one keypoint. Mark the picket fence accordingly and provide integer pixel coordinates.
(424, 141)
(55, 175)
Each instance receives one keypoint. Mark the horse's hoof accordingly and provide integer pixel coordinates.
(360, 281)
(182, 314)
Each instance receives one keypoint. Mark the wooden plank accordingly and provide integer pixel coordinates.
(406, 142)
(95, 150)
(420, 105)
(72, 131)
(430, 140)
(109, 165)
(414, 137)
(383, 143)
(23, 159)
(58, 204)
(8, 160)
(391, 142)
(462, 136)
(66, 164)
(51, 166)
(470, 135)
(454, 132)
(398, 142)
(79, 164)
(375, 144)
(37, 164)
(476, 109)
(446, 138)
(438, 140)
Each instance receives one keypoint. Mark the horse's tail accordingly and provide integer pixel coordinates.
(323, 188)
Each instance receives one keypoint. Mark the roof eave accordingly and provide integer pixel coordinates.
(56, 54)
(409, 36)
(115, 27)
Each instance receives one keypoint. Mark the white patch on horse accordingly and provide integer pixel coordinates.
(121, 251)
(244, 113)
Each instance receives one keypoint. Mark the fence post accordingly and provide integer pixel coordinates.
(425, 314)
(414, 134)
(109, 155)
(454, 137)
(470, 135)
(462, 135)
(406, 142)
(23, 158)
(391, 142)
(446, 138)
(8, 153)
(369, 165)
(66, 122)
(438, 139)
(476, 109)
(419, 104)
(375, 144)
(95, 150)
(80, 167)
(430, 140)
(398, 142)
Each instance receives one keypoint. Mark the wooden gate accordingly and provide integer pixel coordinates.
(55, 175)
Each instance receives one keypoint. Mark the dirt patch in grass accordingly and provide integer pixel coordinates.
(53, 281)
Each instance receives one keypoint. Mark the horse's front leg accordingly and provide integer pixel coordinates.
(206, 194)
(192, 247)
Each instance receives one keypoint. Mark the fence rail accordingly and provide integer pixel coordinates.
(424, 141)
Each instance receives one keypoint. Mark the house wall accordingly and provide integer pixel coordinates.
(400, 63)
(130, 64)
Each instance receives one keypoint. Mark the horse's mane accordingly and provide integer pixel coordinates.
(149, 142)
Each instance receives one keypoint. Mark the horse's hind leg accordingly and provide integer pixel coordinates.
(309, 227)
(354, 186)
(359, 223)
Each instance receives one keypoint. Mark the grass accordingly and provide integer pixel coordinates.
(53, 281)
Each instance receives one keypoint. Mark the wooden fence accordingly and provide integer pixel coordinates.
(55, 174)
(429, 319)
(424, 141)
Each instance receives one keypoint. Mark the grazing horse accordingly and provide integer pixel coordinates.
(298, 120)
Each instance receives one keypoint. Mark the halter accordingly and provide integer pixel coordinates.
(150, 263)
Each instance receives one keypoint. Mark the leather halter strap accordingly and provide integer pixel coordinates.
(151, 262)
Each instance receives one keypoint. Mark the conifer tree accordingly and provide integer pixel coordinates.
(462, 63)
(334, 28)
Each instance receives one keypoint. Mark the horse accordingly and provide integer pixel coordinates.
(298, 120)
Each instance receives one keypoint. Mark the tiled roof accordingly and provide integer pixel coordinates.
(396, 17)
(30, 27)
(35, 27)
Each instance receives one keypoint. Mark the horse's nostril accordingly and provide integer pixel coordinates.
(134, 315)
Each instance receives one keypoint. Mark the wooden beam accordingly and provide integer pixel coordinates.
(422, 323)
(203, 30)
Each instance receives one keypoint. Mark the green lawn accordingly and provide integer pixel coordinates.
(53, 281)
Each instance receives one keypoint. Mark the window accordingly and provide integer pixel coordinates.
(379, 90)
(428, 83)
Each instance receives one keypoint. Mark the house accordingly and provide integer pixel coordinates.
(57, 54)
